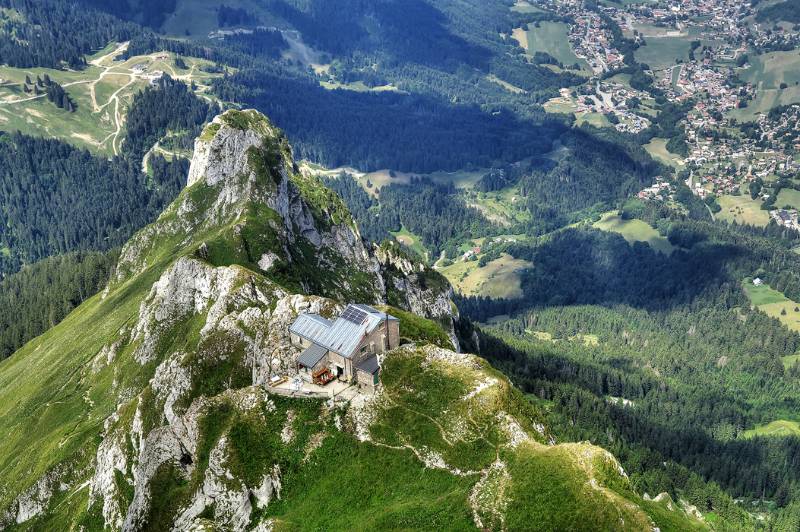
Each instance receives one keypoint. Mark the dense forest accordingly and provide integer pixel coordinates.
(40, 295)
(788, 10)
(56, 198)
(146, 12)
(599, 168)
(63, 32)
(168, 106)
(371, 131)
(434, 212)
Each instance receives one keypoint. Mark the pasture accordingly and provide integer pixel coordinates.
(777, 428)
(743, 210)
(788, 197)
(765, 100)
(662, 52)
(500, 278)
(551, 38)
(768, 71)
(634, 231)
(774, 304)
(102, 94)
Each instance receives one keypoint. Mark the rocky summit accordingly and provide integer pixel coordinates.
(151, 406)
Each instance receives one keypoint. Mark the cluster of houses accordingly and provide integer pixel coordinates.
(611, 98)
(591, 40)
(661, 190)
(142, 70)
(723, 159)
(786, 218)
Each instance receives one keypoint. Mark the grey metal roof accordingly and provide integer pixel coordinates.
(312, 355)
(345, 333)
(369, 365)
(310, 326)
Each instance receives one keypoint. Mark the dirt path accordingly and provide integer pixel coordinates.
(108, 68)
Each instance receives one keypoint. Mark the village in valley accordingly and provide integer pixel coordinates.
(712, 90)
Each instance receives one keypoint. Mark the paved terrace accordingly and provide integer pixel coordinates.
(337, 390)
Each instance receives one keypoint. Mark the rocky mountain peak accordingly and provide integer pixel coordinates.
(246, 204)
(218, 150)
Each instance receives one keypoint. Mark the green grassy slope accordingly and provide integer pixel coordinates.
(174, 343)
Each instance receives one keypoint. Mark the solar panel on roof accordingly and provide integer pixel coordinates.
(354, 315)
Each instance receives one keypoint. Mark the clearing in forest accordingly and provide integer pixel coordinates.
(657, 148)
(774, 304)
(499, 278)
(634, 231)
(779, 427)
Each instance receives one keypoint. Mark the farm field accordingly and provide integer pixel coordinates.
(499, 278)
(661, 52)
(788, 197)
(634, 231)
(774, 304)
(743, 210)
(768, 71)
(777, 428)
(551, 38)
(657, 148)
(102, 93)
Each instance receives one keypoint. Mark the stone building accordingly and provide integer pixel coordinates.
(345, 348)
